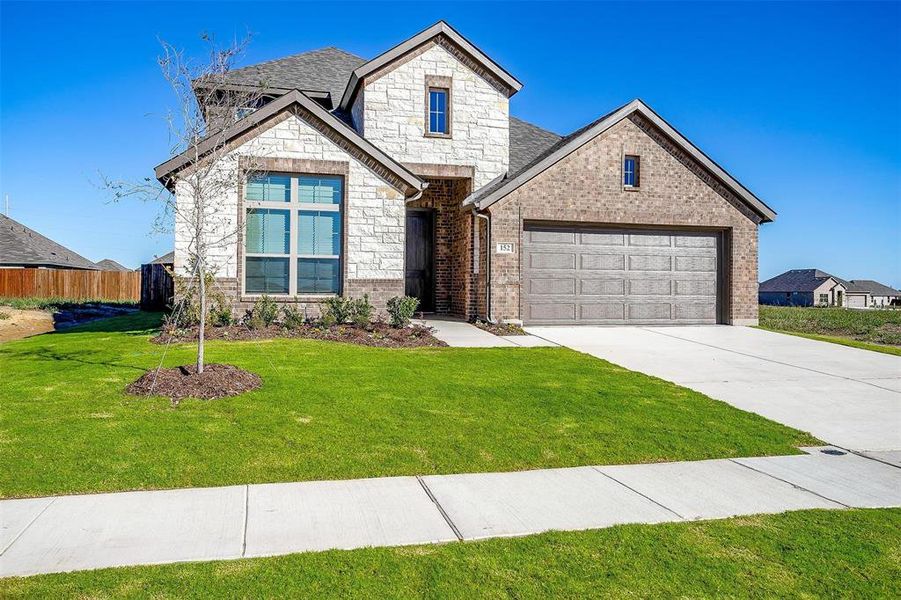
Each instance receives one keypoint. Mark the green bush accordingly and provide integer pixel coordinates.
(3, 315)
(263, 314)
(186, 310)
(292, 317)
(401, 309)
(340, 310)
(53, 303)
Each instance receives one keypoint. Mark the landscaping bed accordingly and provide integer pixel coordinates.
(216, 381)
(499, 328)
(375, 334)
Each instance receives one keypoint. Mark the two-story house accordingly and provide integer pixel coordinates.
(406, 174)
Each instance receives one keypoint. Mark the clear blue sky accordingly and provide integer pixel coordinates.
(800, 102)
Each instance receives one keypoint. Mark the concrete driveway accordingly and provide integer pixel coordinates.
(844, 396)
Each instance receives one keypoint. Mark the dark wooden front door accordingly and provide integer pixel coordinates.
(420, 261)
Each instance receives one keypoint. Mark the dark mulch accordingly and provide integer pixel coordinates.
(500, 328)
(216, 381)
(376, 334)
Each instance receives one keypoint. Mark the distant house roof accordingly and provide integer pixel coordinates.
(873, 287)
(21, 246)
(108, 264)
(798, 280)
(165, 259)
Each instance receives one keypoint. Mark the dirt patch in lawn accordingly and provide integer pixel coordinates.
(24, 323)
(216, 381)
(375, 334)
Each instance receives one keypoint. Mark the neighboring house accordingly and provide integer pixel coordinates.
(803, 287)
(108, 264)
(25, 248)
(406, 174)
(866, 293)
(166, 259)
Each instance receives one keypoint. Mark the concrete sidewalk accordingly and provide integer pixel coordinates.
(67, 533)
(458, 333)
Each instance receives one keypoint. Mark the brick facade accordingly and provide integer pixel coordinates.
(586, 186)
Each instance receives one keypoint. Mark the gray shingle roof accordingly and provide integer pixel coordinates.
(22, 246)
(323, 70)
(165, 259)
(797, 280)
(874, 287)
(108, 264)
(526, 142)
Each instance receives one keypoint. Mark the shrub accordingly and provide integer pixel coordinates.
(361, 311)
(340, 310)
(401, 309)
(292, 317)
(3, 315)
(263, 313)
(186, 310)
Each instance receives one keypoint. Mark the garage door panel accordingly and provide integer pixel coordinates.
(551, 237)
(695, 312)
(602, 287)
(650, 262)
(706, 264)
(552, 260)
(701, 287)
(605, 276)
(646, 311)
(552, 311)
(602, 311)
(602, 262)
(650, 240)
(602, 239)
(552, 286)
(650, 287)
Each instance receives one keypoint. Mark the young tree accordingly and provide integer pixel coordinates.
(206, 107)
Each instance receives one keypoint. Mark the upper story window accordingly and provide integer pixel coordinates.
(631, 171)
(292, 240)
(439, 111)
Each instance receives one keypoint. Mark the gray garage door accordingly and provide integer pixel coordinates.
(595, 276)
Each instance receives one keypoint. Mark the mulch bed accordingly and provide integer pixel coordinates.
(216, 381)
(377, 334)
(500, 328)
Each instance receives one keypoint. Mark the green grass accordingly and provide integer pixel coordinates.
(877, 330)
(808, 554)
(52, 304)
(338, 411)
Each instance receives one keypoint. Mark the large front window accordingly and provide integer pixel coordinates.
(292, 238)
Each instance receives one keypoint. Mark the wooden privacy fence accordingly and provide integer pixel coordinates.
(157, 287)
(70, 284)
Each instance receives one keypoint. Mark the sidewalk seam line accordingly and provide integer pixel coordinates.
(777, 362)
(861, 454)
(244, 533)
(628, 487)
(795, 485)
(24, 529)
(440, 508)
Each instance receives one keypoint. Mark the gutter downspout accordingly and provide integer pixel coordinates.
(488, 261)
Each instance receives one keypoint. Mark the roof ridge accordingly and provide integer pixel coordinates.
(297, 54)
(538, 127)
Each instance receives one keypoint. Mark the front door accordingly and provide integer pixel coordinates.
(420, 258)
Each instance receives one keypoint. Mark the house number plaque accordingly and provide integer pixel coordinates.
(505, 248)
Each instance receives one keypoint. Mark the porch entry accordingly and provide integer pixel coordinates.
(419, 270)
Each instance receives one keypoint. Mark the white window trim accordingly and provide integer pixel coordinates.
(294, 208)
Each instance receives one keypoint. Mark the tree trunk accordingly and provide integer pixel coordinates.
(202, 320)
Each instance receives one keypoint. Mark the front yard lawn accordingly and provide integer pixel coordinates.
(338, 411)
(808, 554)
(873, 329)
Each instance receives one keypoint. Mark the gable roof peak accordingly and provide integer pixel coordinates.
(441, 27)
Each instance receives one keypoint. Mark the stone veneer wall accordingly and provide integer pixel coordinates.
(374, 212)
(587, 186)
(390, 111)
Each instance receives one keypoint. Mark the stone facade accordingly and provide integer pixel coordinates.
(586, 186)
(390, 109)
(374, 210)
